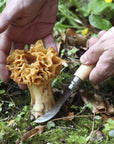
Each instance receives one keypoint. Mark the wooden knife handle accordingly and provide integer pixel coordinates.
(83, 71)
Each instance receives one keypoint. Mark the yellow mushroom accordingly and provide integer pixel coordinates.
(35, 68)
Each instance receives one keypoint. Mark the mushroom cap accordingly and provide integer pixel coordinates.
(36, 66)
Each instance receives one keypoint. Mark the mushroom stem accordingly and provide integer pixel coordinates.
(41, 98)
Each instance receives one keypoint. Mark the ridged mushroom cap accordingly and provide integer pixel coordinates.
(36, 66)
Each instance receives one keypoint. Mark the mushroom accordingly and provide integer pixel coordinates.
(35, 68)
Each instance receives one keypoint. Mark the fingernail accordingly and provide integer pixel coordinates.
(83, 59)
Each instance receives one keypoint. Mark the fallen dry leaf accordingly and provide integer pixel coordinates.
(100, 105)
(36, 131)
(70, 116)
(73, 38)
(106, 117)
(12, 123)
(110, 108)
(97, 102)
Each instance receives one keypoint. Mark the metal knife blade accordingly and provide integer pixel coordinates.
(80, 75)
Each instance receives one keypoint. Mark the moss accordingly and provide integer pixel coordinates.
(64, 131)
(8, 134)
(68, 132)
(22, 99)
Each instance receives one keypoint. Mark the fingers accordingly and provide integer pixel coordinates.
(101, 53)
(10, 12)
(4, 73)
(92, 41)
(104, 67)
(49, 42)
(93, 54)
(5, 45)
(101, 33)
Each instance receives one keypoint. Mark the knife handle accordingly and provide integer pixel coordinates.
(83, 71)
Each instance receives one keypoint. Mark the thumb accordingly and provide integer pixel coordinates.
(91, 56)
(50, 42)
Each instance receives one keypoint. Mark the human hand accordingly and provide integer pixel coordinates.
(24, 22)
(101, 53)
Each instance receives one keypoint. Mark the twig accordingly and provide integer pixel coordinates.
(11, 100)
(19, 131)
(4, 119)
(9, 103)
(4, 101)
(69, 117)
(65, 127)
(93, 125)
(76, 125)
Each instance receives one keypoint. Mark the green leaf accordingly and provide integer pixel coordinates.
(110, 121)
(2, 5)
(22, 113)
(72, 51)
(18, 118)
(2, 91)
(97, 6)
(62, 52)
(0, 107)
(99, 22)
(89, 105)
(75, 107)
(50, 124)
(25, 108)
(97, 117)
(11, 104)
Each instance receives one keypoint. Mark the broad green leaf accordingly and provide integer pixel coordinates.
(98, 22)
(97, 6)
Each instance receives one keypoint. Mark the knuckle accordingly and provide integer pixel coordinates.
(93, 54)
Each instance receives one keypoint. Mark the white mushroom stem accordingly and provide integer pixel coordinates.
(41, 99)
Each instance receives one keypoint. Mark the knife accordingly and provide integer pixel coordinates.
(81, 74)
